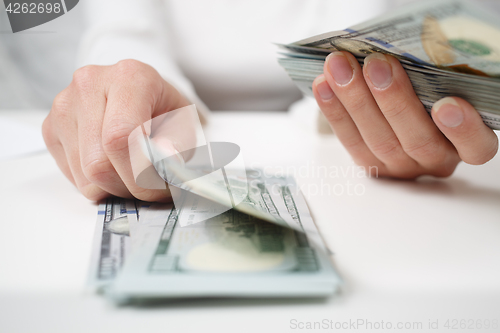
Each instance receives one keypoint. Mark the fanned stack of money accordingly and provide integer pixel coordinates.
(148, 251)
(448, 48)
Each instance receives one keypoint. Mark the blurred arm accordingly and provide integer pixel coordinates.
(132, 29)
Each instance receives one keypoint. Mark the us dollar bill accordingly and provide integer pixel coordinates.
(231, 255)
(450, 34)
(448, 48)
(263, 200)
(112, 241)
(213, 186)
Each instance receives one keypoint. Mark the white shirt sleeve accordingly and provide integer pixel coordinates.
(131, 29)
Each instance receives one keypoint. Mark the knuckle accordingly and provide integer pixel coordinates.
(425, 148)
(98, 171)
(483, 156)
(47, 131)
(130, 67)
(386, 148)
(142, 194)
(404, 168)
(446, 170)
(143, 76)
(354, 144)
(115, 138)
(61, 102)
(335, 115)
(93, 192)
(492, 152)
(84, 78)
(148, 195)
(396, 108)
(407, 174)
(357, 102)
(49, 135)
(61, 109)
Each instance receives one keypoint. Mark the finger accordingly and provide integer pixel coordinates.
(345, 77)
(65, 125)
(140, 96)
(56, 149)
(95, 165)
(415, 130)
(88, 189)
(343, 125)
(69, 142)
(463, 126)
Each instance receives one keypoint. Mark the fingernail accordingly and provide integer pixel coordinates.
(340, 68)
(379, 70)
(324, 90)
(449, 113)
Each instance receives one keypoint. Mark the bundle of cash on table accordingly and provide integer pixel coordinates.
(266, 246)
(448, 48)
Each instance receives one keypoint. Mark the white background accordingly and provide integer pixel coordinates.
(408, 251)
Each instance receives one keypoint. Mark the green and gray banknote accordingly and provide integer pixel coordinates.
(448, 48)
(149, 251)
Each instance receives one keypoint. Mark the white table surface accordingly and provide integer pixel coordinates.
(409, 251)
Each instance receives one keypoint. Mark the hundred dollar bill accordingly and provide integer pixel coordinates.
(262, 200)
(112, 242)
(230, 255)
(448, 48)
(142, 208)
(449, 34)
(214, 187)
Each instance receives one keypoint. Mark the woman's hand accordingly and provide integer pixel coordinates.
(379, 119)
(90, 121)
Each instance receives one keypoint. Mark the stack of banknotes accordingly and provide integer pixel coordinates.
(448, 48)
(145, 251)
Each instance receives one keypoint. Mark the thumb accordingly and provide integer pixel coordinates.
(462, 125)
